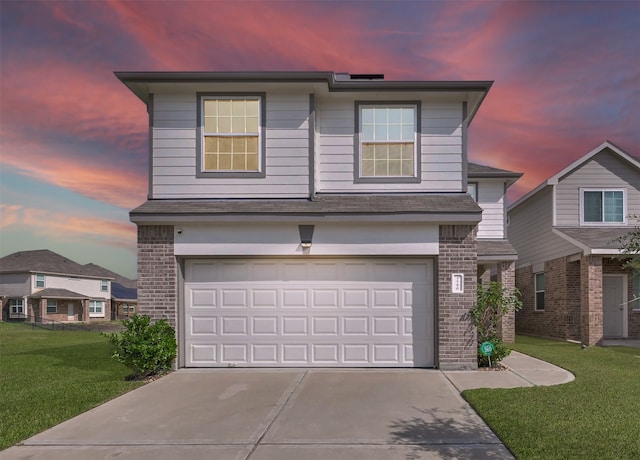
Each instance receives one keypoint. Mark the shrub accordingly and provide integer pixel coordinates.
(147, 349)
(494, 301)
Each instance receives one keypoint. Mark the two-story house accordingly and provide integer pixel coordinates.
(44, 286)
(314, 218)
(565, 230)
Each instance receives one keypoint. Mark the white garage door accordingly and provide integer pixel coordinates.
(298, 313)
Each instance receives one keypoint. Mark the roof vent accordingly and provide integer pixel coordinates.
(367, 76)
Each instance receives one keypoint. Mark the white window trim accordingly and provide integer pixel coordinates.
(104, 285)
(602, 223)
(17, 314)
(417, 150)
(536, 291)
(35, 280)
(102, 308)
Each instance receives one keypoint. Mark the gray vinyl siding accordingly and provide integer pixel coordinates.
(15, 284)
(604, 170)
(530, 231)
(174, 151)
(491, 200)
(440, 142)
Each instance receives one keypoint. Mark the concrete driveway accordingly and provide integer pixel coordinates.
(276, 414)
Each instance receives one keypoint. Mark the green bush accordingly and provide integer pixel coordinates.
(494, 301)
(147, 349)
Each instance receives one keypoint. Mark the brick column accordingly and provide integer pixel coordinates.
(591, 314)
(157, 273)
(507, 277)
(457, 347)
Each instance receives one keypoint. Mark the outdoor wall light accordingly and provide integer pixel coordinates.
(306, 235)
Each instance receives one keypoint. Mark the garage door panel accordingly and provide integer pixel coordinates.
(350, 313)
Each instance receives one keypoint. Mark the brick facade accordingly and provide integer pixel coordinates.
(157, 273)
(591, 314)
(457, 347)
(573, 300)
(507, 277)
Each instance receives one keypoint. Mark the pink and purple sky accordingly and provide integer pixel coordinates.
(73, 145)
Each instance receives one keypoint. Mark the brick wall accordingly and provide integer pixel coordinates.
(555, 297)
(573, 301)
(507, 277)
(528, 320)
(157, 273)
(591, 315)
(457, 348)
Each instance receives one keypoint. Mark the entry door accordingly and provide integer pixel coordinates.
(71, 315)
(614, 305)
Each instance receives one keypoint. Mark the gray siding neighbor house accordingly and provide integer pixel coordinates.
(316, 218)
(42, 286)
(573, 285)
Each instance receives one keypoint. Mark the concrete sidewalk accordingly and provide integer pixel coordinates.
(521, 371)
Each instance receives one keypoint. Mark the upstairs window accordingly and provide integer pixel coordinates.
(472, 189)
(387, 142)
(104, 285)
(39, 280)
(540, 288)
(231, 140)
(603, 207)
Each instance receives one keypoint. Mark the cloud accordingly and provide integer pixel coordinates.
(64, 227)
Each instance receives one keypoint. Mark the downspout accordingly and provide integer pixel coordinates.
(312, 146)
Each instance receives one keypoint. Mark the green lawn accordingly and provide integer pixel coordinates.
(49, 376)
(597, 416)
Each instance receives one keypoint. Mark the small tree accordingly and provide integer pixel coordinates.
(494, 302)
(630, 246)
(147, 349)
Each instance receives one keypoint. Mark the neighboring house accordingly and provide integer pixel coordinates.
(124, 293)
(572, 283)
(315, 218)
(41, 285)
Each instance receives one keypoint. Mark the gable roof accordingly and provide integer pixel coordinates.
(553, 180)
(43, 261)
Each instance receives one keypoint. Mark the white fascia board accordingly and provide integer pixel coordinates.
(329, 239)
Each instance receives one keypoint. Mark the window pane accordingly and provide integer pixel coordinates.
(252, 125)
(407, 168)
(395, 167)
(210, 125)
(224, 125)
(592, 206)
(224, 162)
(540, 300)
(380, 116)
(408, 132)
(252, 162)
(367, 132)
(224, 108)
(395, 116)
(380, 133)
(395, 151)
(239, 145)
(613, 207)
(238, 162)
(395, 132)
(473, 191)
(540, 282)
(238, 108)
(224, 145)
(252, 108)
(210, 108)
(367, 168)
(380, 167)
(367, 151)
(252, 145)
(237, 125)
